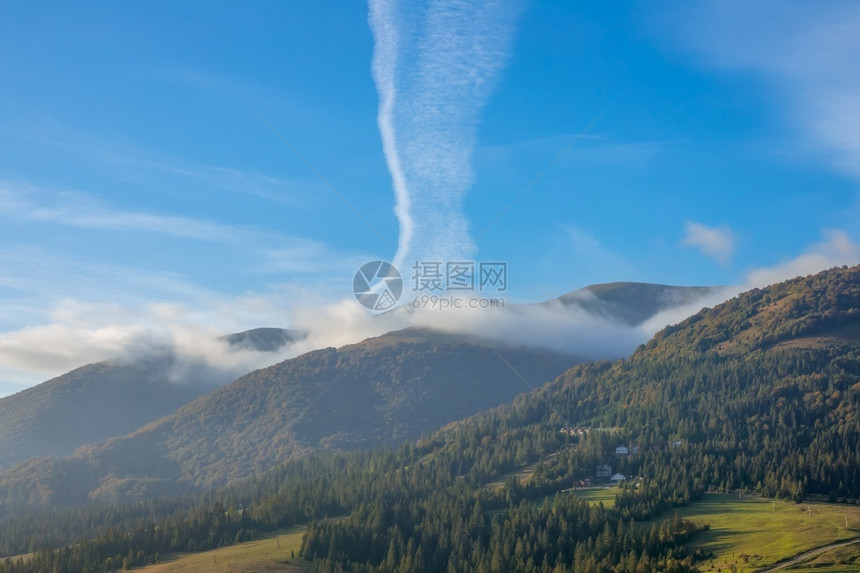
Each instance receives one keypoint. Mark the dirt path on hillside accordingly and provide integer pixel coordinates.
(809, 554)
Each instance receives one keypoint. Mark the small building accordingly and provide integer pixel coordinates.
(618, 478)
(676, 444)
(621, 451)
(574, 430)
(603, 471)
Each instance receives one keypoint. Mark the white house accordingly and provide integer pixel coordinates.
(603, 471)
(621, 451)
(617, 478)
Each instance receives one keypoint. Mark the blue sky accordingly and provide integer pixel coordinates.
(140, 183)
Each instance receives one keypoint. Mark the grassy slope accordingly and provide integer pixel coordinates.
(839, 559)
(765, 530)
(262, 555)
(606, 495)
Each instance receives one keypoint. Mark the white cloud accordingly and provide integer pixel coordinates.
(262, 251)
(62, 311)
(79, 333)
(31, 203)
(717, 242)
(54, 348)
(434, 67)
(809, 53)
(134, 161)
(97, 217)
(836, 249)
(65, 306)
(567, 329)
(73, 333)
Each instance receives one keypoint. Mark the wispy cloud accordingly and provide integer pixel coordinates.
(312, 257)
(808, 53)
(434, 68)
(134, 161)
(35, 278)
(835, 249)
(590, 256)
(28, 202)
(716, 242)
(65, 306)
(100, 217)
(76, 333)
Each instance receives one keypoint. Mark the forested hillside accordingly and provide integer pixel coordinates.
(381, 391)
(111, 398)
(761, 393)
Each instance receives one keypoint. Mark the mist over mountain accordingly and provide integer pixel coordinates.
(98, 401)
(413, 190)
(602, 322)
(631, 303)
(757, 394)
(380, 391)
(264, 339)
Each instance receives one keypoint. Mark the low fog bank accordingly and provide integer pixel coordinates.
(80, 333)
(568, 328)
(167, 339)
(196, 354)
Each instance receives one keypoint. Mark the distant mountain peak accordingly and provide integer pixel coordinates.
(631, 303)
(90, 403)
(265, 339)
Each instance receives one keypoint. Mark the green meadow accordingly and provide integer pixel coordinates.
(275, 553)
(752, 533)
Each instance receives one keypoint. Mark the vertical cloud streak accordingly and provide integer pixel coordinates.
(434, 68)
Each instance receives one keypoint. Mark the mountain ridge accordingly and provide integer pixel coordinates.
(631, 303)
(113, 397)
(380, 391)
(693, 413)
(403, 409)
